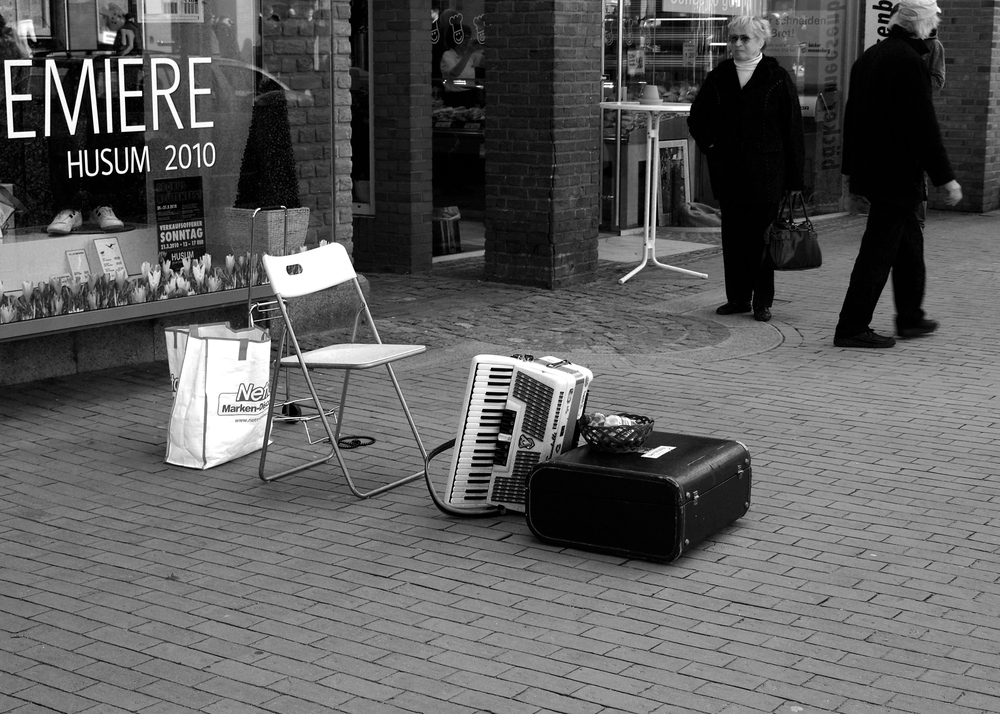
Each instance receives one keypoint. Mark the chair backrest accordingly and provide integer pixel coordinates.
(309, 271)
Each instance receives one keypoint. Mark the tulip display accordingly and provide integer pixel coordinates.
(155, 281)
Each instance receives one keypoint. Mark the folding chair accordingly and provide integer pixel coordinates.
(305, 273)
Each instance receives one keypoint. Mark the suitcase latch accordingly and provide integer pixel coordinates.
(693, 497)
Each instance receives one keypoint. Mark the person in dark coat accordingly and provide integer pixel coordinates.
(891, 138)
(747, 120)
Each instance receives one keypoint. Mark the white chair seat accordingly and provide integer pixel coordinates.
(353, 355)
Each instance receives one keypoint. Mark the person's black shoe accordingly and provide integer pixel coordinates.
(868, 338)
(731, 308)
(762, 314)
(924, 327)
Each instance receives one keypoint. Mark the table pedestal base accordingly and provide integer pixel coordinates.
(653, 113)
(650, 257)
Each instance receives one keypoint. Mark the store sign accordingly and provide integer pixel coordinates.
(174, 11)
(876, 22)
(98, 98)
(811, 44)
(101, 92)
(717, 7)
(817, 34)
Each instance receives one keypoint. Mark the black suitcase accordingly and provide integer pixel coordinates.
(654, 504)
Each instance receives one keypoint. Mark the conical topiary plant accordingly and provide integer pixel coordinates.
(268, 179)
(267, 172)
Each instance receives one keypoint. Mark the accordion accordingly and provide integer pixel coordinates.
(516, 414)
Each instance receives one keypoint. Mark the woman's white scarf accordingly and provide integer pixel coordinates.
(744, 70)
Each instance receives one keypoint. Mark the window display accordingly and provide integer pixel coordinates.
(459, 86)
(140, 137)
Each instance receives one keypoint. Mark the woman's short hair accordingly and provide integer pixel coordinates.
(752, 25)
(918, 17)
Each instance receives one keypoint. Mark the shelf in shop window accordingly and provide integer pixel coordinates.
(128, 313)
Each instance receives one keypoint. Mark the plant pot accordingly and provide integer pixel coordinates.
(268, 230)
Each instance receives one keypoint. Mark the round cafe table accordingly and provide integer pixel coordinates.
(653, 113)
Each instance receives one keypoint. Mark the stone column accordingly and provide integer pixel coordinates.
(543, 122)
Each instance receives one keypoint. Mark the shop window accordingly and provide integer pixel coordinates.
(140, 137)
(458, 86)
(674, 45)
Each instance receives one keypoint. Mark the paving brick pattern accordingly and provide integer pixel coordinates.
(864, 579)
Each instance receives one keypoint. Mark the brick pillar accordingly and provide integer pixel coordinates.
(400, 240)
(543, 124)
(300, 54)
(340, 148)
(966, 106)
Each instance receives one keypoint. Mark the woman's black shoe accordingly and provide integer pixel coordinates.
(762, 314)
(731, 308)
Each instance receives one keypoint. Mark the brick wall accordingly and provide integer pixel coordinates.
(340, 151)
(967, 105)
(298, 51)
(542, 140)
(400, 237)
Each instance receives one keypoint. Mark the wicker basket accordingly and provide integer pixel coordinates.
(617, 439)
(269, 230)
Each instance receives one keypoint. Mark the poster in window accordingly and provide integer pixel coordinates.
(180, 219)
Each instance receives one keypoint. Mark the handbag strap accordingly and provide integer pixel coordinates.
(805, 214)
(785, 216)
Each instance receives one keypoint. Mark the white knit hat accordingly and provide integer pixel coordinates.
(916, 10)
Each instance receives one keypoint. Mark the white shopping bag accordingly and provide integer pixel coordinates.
(222, 395)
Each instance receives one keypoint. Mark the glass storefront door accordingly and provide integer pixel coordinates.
(673, 44)
(458, 87)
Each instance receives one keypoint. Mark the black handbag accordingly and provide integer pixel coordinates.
(791, 245)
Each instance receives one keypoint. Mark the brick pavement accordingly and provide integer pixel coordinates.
(863, 579)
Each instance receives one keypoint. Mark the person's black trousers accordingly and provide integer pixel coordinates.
(748, 279)
(893, 241)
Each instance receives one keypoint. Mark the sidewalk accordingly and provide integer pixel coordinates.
(864, 579)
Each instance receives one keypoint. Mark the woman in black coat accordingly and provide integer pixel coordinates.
(747, 121)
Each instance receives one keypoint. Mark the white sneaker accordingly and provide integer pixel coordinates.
(106, 219)
(65, 221)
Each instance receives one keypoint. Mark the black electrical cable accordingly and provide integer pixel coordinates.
(479, 512)
(353, 442)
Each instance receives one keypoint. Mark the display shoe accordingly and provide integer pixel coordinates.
(868, 338)
(924, 327)
(762, 314)
(106, 219)
(731, 308)
(64, 222)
